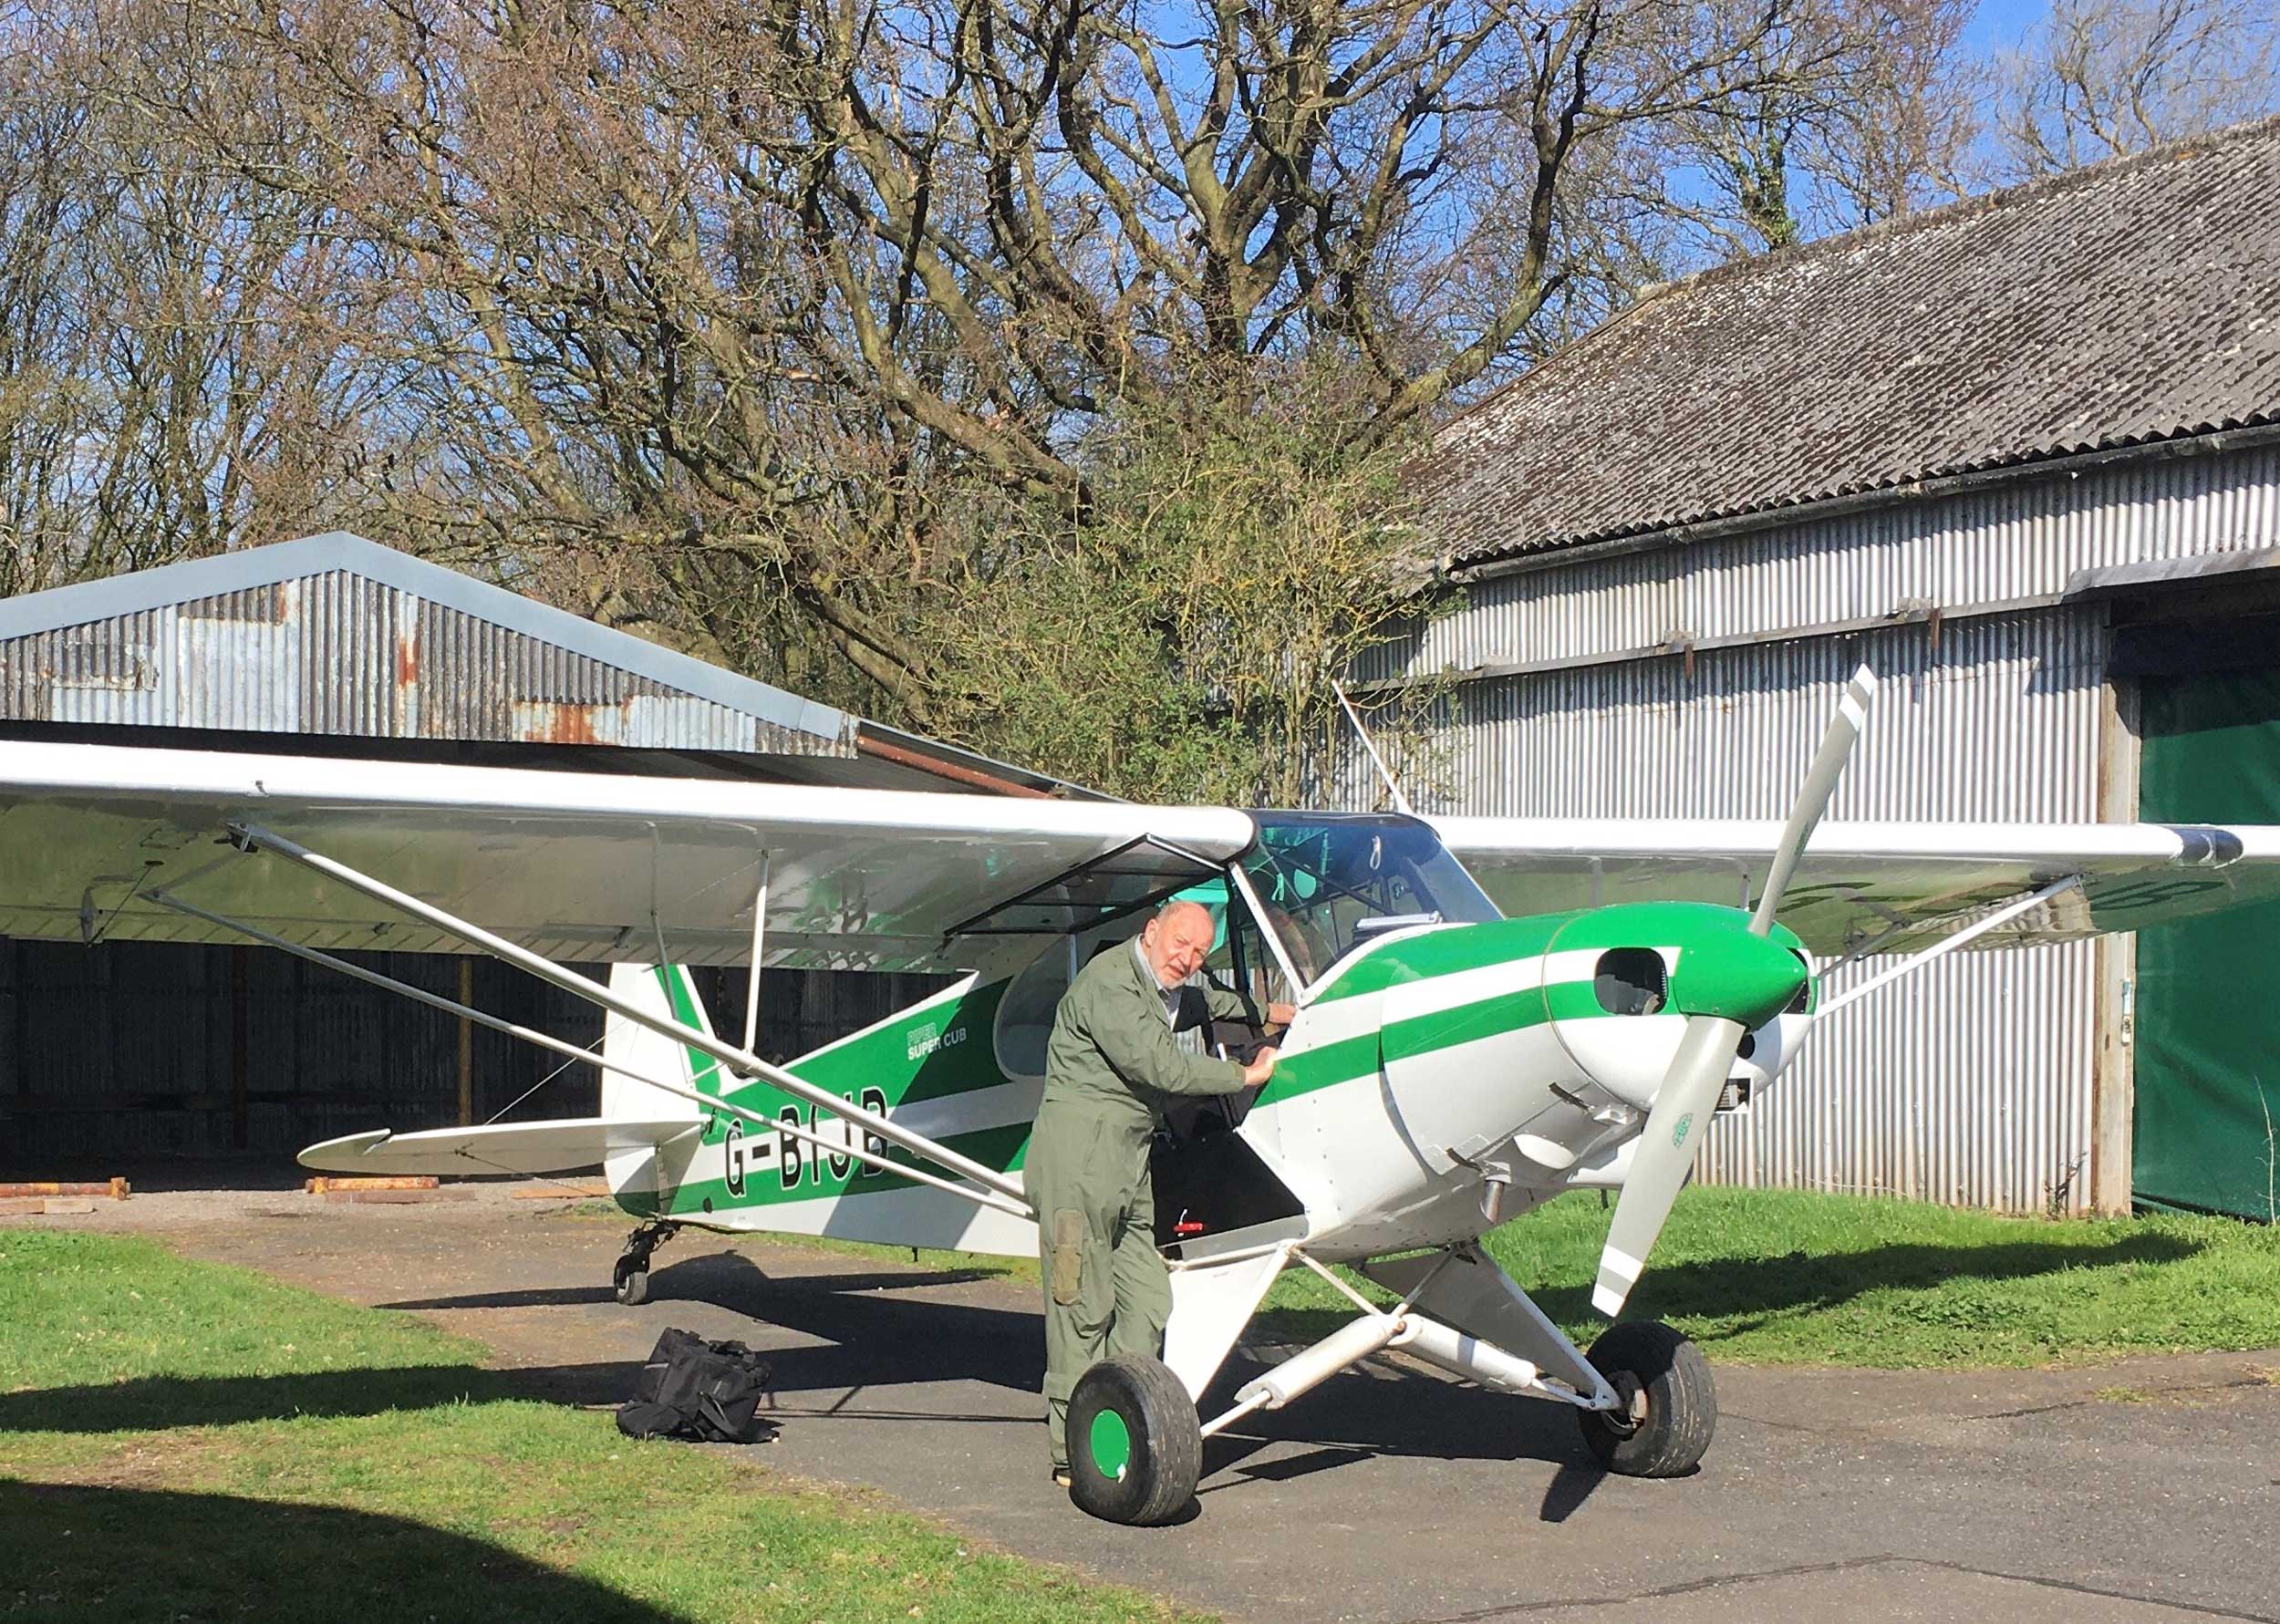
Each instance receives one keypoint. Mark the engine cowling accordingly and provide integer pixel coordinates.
(1620, 983)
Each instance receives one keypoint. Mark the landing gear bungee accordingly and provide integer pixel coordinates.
(630, 1279)
(1135, 1449)
(1670, 1406)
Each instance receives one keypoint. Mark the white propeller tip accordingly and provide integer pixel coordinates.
(1607, 1300)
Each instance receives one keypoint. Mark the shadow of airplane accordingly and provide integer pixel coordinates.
(82, 1555)
(1766, 1288)
(871, 1331)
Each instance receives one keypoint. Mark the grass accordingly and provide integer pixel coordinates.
(183, 1439)
(1786, 1277)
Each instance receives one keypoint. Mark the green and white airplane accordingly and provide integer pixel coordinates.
(1448, 1067)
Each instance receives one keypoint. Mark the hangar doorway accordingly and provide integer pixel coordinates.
(2208, 1002)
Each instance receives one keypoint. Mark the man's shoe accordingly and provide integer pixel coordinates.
(1061, 1477)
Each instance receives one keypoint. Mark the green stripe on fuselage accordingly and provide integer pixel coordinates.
(1349, 1059)
(1444, 953)
(934, 1050)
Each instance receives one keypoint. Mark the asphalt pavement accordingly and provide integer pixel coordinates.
(2148, 1490)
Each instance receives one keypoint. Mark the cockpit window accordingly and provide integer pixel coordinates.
(1329, 884)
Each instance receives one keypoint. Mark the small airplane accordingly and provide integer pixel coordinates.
(1448, 1067)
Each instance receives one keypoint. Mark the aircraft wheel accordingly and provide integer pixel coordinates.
(1136, 1448)
(1670, 1406)
(631, 1280)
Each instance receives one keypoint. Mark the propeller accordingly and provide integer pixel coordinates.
(1689, 1094)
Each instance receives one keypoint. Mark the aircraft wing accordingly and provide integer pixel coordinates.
(95, 840)
(1880, 887)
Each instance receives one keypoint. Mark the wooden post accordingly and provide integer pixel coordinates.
(2113, 1077)
(241, 1026)
(466, 1044)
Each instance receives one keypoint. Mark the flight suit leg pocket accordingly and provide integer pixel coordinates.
(1068, 1254)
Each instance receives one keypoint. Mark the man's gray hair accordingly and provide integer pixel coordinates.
(1163, 914)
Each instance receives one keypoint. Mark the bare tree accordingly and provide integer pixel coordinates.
(168, 328)
(787, 303)
(1862, 109)
(2103, 77)
(815, 337)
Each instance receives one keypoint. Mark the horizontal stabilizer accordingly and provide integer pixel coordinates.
(506, 1147)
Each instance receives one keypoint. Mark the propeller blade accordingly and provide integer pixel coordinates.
(1812, 796)
(1676, 1126)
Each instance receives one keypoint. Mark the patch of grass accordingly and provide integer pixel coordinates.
(1785, 1277)
(181, 1439)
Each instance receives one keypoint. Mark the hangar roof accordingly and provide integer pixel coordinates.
(336, 637)
(2130, 303)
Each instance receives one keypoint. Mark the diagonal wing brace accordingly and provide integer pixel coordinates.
(251, 836)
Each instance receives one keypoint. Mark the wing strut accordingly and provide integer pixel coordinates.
(1916, 961)
(249, 836)
(548, 1041)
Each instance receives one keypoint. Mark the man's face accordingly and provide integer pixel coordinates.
(1174, 942)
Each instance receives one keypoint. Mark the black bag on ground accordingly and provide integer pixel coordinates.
(709, 1391)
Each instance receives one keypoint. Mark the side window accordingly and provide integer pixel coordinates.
(1025, 1015)
(1240, 959)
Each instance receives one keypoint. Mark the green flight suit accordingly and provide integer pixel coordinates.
(1111, 1061)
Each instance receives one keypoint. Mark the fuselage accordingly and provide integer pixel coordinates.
(1441, 1075)
(1521, 1053)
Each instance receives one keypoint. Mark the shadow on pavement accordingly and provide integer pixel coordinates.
(674, 1280)
(876, 1336)
(1767, 1288)
(873, 1332)
(80, 1553)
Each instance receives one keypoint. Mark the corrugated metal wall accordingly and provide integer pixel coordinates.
(338, 653)
(1971, 1082)
(128, 1051)
(1992, 546)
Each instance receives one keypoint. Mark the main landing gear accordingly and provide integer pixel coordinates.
(1135, 1449)
(630, 1279)
(1668, 1409)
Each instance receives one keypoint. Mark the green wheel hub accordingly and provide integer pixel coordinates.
(1112, 1445)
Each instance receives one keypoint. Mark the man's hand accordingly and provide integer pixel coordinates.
(1261, 1068)
(1280, 1015)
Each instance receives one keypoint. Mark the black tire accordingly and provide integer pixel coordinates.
(631, 1280)
(1672, 1405)
(1136, 1448)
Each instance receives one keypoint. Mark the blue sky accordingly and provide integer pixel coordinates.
(1999, 24)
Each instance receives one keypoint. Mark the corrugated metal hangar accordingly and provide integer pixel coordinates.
(2022, 455)
(115, 1052)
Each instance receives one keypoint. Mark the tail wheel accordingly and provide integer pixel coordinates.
(631, 1280)
(1670, 1405)
(1136, 1448)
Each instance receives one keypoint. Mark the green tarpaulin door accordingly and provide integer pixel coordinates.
(2208, 1010)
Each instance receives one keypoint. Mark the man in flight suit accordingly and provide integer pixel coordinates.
(1110, 1063)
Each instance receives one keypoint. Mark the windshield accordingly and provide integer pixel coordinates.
(1330, 883)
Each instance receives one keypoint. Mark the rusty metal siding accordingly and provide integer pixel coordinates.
(2020, 539)
(339, 653)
